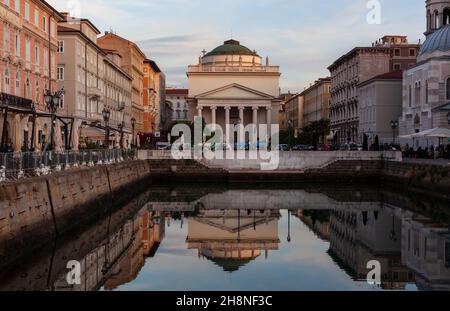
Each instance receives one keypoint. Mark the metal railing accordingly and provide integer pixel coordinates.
(18, 165)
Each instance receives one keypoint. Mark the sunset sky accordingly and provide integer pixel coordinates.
(302, 36)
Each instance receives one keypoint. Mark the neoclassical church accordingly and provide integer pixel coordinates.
(231, 85)
(426, 86)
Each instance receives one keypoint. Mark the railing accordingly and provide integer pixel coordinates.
(209, 68)
(28, 164)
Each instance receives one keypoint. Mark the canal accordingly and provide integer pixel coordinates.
(220, 238)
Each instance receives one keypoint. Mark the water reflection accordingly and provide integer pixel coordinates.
(262, 239)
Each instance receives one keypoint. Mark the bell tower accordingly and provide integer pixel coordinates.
(438, 15)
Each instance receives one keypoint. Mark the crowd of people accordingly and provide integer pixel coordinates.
(430, 152)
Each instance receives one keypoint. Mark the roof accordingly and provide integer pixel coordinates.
(393, 75)
(439, 40)
(67, 30)
(316, 83)
(153, 64)
(110, 34)
(355, 50)
(231, 47)
(54, 11)
(177, 92)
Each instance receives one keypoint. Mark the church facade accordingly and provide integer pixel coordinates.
(230, 86)
(426, 86)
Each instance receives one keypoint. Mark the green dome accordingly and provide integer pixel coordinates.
(231, 47)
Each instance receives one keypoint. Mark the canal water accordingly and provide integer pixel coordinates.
(185, 238)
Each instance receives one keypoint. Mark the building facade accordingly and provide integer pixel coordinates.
(28, 45)
(93, 81)
(230, 85)
(294, 110)
(151, 98)
(178, 101)
(132, 62)
(380, 104)
(359, 65)
(426, 86)
(316, 101)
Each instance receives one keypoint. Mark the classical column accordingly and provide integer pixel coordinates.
(241, 115)
(269, 120)
(228, 129)
(242, 125)
(213, 114)
(200, 110)
(255, 115)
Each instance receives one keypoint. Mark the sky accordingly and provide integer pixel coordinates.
(303, 37)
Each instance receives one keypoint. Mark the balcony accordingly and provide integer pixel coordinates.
(94, 92)
(233, 69)
(7, 100)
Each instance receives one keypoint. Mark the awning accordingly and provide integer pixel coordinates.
(432, 133)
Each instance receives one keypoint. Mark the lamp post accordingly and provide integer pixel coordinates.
(133, 125)
(290, 133)
(121, 126)
(289, 227)
(52, 101)
(394, 126)
(106, 113)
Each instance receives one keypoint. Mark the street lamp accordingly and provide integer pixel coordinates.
(289, 227)
(133, 125)
(121, 126)
(290, 133)
(394, 126)
(52, 102)
(106, 113)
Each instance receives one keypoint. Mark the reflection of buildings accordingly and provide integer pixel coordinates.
(233, 238)
(426, 250)
(149, 230)
(317, 221)
(357, 237)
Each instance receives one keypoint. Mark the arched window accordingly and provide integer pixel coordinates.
(7, 90)
(427, 92)
(446, 16)
(410, 96)
(428, 21)
(27, 88)
(436, 20)
(17, 83)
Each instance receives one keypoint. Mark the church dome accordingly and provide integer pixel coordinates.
(231, 47)
(438, 41)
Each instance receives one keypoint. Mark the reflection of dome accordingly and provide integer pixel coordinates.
(230, 265)
(439, 40)
(231, 47)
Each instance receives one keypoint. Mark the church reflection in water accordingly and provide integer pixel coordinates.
(233, 228)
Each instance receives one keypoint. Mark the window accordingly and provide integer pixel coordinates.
(27, 88)
(17, 83)
(27, 11)
(36, 17)
(6, 38)
(397, 52)
(61, 102)
(17, 42)
(44, 23)
(60, 46)
(60, 73)
(27, 49)
(397, 67)
(17, 5)
(36, 53)
(412, 52)
(436, 20)
(410, 96)
(427, 92)
(7, 90)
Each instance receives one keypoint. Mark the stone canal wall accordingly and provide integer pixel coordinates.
(36, 209)
(433, 180)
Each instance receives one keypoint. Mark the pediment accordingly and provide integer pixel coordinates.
(234, 91)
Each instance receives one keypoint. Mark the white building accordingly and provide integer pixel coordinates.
(426, 86)
(230, 85)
